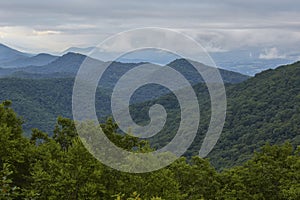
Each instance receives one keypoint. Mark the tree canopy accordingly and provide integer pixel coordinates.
(60, 167)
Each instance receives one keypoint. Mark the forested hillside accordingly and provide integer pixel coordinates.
(41, 93)
(59, 167)
(149, 100)
(265, 108)
(40, 102)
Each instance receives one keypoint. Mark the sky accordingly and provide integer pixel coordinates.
(272, 26)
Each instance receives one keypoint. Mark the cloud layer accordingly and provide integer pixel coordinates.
(217, 25)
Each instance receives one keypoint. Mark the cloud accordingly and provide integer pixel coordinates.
(46, 32)
(271, 53)
(218, 25)
(163, 40)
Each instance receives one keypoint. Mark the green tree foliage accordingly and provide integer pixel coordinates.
(64, 132)
(7, 190)
(272, 173)
(15, 149)
(264, 108)
(60, 167)
(72, 174)
(197, 179)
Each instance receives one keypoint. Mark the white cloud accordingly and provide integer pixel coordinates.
(217, 25)
(46, 32)
(271, 53)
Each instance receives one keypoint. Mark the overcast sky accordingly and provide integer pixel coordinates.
(222, 25)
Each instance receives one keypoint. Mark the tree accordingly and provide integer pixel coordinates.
(7, 189)
(272, 173)
(64, 132)
(14, 148)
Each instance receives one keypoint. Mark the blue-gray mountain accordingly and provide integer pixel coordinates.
(8, 54)
(247, 61)
(37, 60)
(43, 91)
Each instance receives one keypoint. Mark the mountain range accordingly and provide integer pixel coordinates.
(8, 54)
(263, 108)
(37, 60)
(65, 66)
(246, 61)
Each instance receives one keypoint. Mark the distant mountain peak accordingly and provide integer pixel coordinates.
(8, 54)
(84, 50)
(186, 67)
(2, 45)
(179, 60)
(7, 48)
(43, 54)
(73, 54)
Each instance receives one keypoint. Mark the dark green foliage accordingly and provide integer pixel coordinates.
(41, 93)
(39, 102)
(7, 190)
(64, 133)
(38, 136)
(61, 168)
(272, 173)
(14, 147)
(265, 108)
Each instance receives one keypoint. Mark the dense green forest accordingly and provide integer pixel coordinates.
(256, 157)
(39, 102)
(265, 108)
(41, 93)
(59, 167)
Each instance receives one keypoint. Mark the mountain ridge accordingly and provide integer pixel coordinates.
(8, 54)
(264, 108)
(36, 60)
(247, 62)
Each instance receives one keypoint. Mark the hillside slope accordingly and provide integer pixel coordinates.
(41, 101)
(37, 60)
(265, 108)
(8, 54)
